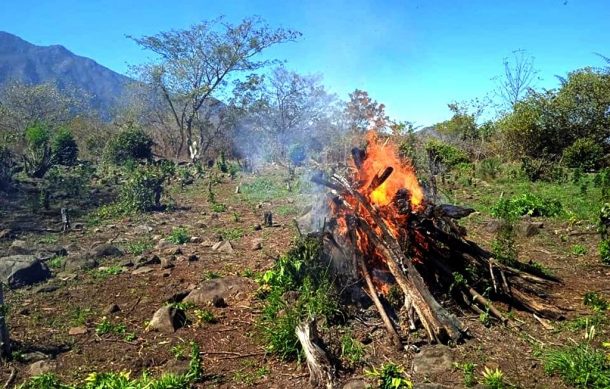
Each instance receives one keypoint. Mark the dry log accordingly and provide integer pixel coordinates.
(321, 371)
(379, 179)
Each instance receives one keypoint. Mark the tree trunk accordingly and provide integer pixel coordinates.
(5, 345)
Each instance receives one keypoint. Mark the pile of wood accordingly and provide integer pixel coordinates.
(437, 269)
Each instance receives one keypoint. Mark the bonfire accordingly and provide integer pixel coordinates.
(382, 220)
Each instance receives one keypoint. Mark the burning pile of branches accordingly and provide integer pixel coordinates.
(381, 213)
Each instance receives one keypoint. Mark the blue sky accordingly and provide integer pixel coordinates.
(413, 55)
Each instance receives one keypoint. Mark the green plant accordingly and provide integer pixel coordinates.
(227, 233)
(581, 366)
(351, 349)
(595, 302)
(44, 381)
(485, 318)
(139, 247)
(105, 272)
(179, 235)
(468, 374)
(264, 189)
(210, 275)
(128, 145)
(445, 154)
(105, 327)
(222, 163)
(389, 376)
(604, 251)
(489, 168)
(526, 204)
(56, 262)
(37, 158)
(493, 379)
(178, 351)
(142, 190)
(64, 149)
(205, 316)
(218, 207)
(584, 153)
(578, 249)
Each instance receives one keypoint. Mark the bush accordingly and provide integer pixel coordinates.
(584, 153)
(64, 148)
(7, 169)
(128, 145)
(296, 154)
(526, 204)
(489, 168)
(37, 158)
(142, 191)
(445, 154)
(604, 251)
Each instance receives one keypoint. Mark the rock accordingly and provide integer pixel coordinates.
(196, 239)
(167, 263)
(356, 384)
(112, 308)
(219, 287)
(142, 270)
(177, 366)
(46, 288)
(105, 250)
(79, 263)
(218, 302)
(201, 224)
(22, 270)
(256, 244)
(193, 258)
(528, 229)
(167, 319)
(78, 226)
(433, 360)
(5, 233)
(145, 261)
(142, 229)
(77, 331)
(173, 251)
(33, 356)
(126, 263)
(20, 247)
(162, 243)
(41, 367)
(223, 247)
(257, 227)
(494, 226)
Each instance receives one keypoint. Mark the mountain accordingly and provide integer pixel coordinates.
(31, 64)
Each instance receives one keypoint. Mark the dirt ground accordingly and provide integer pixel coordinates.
(233, 355)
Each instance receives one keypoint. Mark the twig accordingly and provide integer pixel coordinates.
(11, 378)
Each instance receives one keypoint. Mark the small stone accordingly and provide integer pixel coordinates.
(193, 258)
(33, 356)
(433, 360)
(528, 229)
(112, 308)
(162, 243)
(355, 384)
(77, 331)
(167, 263)
(41, 367)
(219, 302)
(173, 251)
(257, 227)
(257, 244)
(142, 229)
(166, 273)
(105, 250)
(142, 270)
(223, 247)
(196, 239)
(201, 225)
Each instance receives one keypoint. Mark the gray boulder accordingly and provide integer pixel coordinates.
(80, 263)
(21, 270)
(105, 250)
(224, 288)
(167, 319)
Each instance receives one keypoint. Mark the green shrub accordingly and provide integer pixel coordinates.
(604, 251)
(493, 379)
(527, 204)
(595, 302)
(389, 376)
(128, 145)
(581, 366)
(37, 158)
(8, 169)
(301, 272)
(584, 153)
(489, 168)
(73, 181)
(44, 381)
(142, 190)
(64, 148)
(445, 154)
(222, 163)
(351, 349)
(296, 154)
(179, 235)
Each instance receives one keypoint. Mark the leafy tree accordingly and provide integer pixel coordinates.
(584, 153)
(37, 157)
(130, 144)
(64, 148)
(363, 112)
(194, 65)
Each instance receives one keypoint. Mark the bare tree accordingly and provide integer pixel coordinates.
(194, 65)
(519, 76)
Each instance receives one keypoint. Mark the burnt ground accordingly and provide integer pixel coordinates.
(40, 319)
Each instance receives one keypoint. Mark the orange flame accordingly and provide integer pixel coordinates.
(380, 156)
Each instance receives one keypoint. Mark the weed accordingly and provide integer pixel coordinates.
(286, 210)
(604, 251)
(211, 275)
(236, 217)
(139, 247)
(205, 316)
(48, 239)
(468, 373)
(56, 262)
(578, 249)
(179, 352)
(264, 189)
(485, 318)
(389, 376)
(44, 381)
(581, 366)
(106, 327)
(248, 273)
(105, 272)
(527, 204)
(596, 302)
(230, 233)
(218, 207)
(79, 316)
(178, 235)
(493, 379)
(351, 349)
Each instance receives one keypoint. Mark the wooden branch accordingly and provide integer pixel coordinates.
(321, 372)
(379, 179)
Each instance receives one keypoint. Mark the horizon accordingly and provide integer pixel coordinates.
(415, 58)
